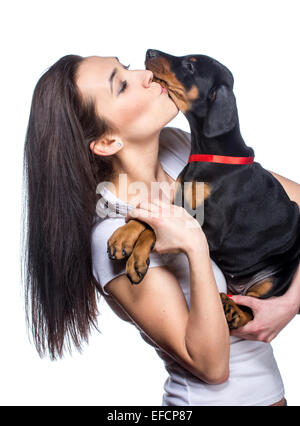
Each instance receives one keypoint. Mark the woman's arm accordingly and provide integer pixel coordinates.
(272, 315)
(198, 339)
(291, 188)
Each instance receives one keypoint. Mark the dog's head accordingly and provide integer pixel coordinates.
(200, 87)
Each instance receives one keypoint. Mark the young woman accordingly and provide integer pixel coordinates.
(92, 120)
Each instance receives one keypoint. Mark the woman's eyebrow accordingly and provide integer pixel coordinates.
(110, 80)
(114, 72)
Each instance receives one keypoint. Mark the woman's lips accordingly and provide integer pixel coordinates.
(163, 90)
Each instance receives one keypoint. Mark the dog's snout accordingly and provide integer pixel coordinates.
(151, 53)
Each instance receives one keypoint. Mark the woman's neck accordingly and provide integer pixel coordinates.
(136, 168)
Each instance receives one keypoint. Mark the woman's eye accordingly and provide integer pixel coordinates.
(124, 83)
(123, 86)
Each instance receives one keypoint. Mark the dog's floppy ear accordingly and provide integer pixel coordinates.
(222, 114)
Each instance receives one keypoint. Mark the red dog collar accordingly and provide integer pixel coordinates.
(220, 159)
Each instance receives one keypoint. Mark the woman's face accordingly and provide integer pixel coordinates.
(129, 100)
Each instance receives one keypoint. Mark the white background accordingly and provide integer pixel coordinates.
(257, 40)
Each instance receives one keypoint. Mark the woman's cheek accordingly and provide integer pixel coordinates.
(132, 111)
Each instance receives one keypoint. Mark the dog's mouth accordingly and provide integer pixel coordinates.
(158, 72)
(173, 95)
(163, 83)
(167, 79)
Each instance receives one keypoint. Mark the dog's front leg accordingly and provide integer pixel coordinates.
(136, 240)
(138, 262)
(122, 241)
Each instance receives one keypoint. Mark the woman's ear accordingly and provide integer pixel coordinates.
(106, 146)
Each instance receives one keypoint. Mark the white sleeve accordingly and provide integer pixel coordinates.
(105, 269)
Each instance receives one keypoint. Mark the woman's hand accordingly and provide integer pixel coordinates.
(270, 315)
(175, 229)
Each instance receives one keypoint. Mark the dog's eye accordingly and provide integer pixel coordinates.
(190, 67)
(212, 94)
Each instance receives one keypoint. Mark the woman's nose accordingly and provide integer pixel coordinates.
(148, 77)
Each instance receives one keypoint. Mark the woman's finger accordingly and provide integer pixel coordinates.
(153, 208)
(144, 204)
(144, 210)
(168, 209)
(160, 203)
(246, 332)
(250, 302)
(141, 214)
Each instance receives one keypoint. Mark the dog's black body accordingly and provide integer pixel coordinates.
(252, 227)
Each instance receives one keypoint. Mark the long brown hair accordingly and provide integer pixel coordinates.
(60, 178)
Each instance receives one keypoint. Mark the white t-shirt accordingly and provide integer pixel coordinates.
(254, 375)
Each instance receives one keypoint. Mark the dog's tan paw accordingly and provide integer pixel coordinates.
(235, 316)
(122, 241)
(137, 266)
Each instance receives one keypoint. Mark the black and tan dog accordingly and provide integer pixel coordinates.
(252, 227)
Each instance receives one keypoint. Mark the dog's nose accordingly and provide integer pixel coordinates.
(151, 53)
